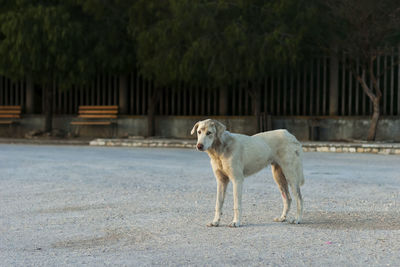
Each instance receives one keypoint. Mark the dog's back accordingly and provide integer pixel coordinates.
(284, 144)
(279, 137)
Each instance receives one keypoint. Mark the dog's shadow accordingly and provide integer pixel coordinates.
(355, 220)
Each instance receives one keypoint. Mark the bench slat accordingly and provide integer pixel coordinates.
(6, 122)
(97, 107)
(98, 112)
(6, 111)
(98, 116)
(9, 116)
(91, 123)
(10, 107)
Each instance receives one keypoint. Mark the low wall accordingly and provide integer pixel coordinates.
(181, 126)
(325, 128)
(339, 128)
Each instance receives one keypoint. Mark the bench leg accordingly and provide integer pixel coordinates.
(18, 130)
(113, 130)
(76, 132)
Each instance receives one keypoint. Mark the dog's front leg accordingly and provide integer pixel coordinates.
(222, 184)
(237, 201)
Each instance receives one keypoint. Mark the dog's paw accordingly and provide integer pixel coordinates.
(294, 221)
(280, 219)
(213, 224)
(234, 224)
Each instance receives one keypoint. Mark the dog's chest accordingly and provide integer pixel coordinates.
(222, 165)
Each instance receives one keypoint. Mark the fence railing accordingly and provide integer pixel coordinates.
(353, 100)
(102, 91)
(304, 92)
(12, 93)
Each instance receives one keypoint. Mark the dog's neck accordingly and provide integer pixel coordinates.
(218, 147)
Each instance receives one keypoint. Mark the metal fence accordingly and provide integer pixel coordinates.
(304, 92)
(102, 91)
(353, 100)
(12, 93)
(177, 100)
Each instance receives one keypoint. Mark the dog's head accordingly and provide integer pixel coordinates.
(207, 132)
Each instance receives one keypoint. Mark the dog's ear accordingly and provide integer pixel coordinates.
(194, 128)
(219, 127)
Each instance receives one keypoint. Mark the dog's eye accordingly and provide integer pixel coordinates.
(199, 132)
(208, 133)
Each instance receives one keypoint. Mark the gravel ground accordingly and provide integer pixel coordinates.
(63, 205)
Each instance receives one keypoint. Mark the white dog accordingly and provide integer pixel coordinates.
(235, 156)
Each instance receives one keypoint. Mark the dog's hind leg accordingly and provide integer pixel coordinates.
(282, 183)
(299, 203)
(292, 167)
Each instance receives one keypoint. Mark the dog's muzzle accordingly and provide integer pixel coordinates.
(200, 147)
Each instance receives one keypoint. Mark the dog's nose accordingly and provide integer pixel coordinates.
(200, 146)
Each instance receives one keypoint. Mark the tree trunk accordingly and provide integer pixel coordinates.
(48, 109)
(123, 94)
(374, 120)
(256, 99)
(374, 97)
(151, 119)
(31, 98)
(223, 101)
(154, 98)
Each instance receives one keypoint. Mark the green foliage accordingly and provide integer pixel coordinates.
(218, 41)
(202, 41)
(360, 28)
(363, 30)
(45, 40)
(112, 48)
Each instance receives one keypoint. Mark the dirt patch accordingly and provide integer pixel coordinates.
(66, 209)
(358, 220)
(121, 236)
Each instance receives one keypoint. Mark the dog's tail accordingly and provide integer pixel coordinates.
(299, 152)
(301, 178)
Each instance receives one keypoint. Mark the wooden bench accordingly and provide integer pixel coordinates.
(10, 115)
(96, 116)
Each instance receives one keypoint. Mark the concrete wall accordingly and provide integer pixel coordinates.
(173, 126)
(340, 128)
(180, 126)
(326, 128)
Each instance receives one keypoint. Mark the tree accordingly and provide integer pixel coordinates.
(45, 40)
(219, 42)
(363, 30)
(148, 18)
(113, 48)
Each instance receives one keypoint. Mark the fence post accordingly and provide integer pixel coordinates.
(30, 96)
(123, 94)
(333, 83)
(223, 101)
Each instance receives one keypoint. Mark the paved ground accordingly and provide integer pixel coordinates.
(71, 205)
